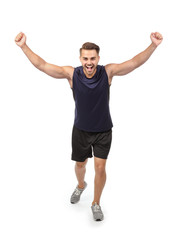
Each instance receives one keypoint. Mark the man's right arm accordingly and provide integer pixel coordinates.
(50, 69)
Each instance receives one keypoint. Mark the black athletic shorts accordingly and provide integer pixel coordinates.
(83, 143)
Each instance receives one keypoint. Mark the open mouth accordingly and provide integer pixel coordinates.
(89, 68)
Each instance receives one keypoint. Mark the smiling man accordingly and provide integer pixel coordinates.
(89, 59)
(92, 129)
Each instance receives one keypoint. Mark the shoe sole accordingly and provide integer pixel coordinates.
(74, 202)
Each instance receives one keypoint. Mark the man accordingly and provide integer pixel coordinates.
(92, 128)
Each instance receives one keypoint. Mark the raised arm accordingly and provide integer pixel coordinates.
(50, 69)
(130, 65)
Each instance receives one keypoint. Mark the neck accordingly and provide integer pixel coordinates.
(89, 76)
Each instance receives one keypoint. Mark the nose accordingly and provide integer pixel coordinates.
(89, 62)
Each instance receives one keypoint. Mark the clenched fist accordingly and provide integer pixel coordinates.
(156, 38)
(20, 39)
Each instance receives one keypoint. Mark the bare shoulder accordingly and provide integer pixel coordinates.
(108, 69)
(70, 71)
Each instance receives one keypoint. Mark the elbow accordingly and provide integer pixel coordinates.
(135, 63)
(41, 66)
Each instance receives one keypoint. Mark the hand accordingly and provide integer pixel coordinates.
(20, 39)
(156, 38)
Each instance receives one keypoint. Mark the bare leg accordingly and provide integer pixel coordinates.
(100, 178)
(80, 170)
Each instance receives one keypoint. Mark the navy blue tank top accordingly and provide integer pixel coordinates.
(91, 97)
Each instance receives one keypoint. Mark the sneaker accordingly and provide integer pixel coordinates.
(75, 197)
(97, 212)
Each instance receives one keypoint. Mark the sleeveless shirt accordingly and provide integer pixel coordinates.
(91, 95)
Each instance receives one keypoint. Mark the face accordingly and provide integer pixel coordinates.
(89, 60)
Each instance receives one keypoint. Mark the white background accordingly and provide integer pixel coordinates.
(141, 197)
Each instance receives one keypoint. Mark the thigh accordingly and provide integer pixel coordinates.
(102, 145)
(81, 147)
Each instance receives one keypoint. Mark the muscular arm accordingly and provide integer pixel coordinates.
(50, 69)
(135, 62)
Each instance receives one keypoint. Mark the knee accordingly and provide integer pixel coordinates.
(80, 164)
(100, 169)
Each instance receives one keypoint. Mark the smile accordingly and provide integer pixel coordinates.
(89, 67)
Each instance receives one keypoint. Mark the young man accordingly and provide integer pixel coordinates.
(92, 128)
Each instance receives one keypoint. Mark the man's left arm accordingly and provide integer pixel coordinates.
(130, 65)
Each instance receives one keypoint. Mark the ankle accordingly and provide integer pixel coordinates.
(95, 202)
(81, 185)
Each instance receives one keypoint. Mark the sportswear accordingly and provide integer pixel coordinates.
(97, 212)
(86, 143)
(75, 197)
(91, 97)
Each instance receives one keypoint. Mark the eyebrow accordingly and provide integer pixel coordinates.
(87, 57)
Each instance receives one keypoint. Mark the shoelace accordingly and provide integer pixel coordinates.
(97, 208)
(77, 192)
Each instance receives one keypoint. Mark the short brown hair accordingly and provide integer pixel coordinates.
(90, 46)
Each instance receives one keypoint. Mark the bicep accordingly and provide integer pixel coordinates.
(120, 69)
(57, 71)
